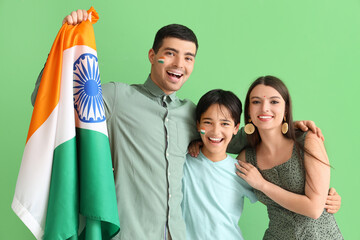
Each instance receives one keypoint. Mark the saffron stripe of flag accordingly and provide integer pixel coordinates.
(66, 172)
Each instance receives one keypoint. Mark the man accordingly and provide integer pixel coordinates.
(149, 130)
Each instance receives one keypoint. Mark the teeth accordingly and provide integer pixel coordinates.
(265, 117)
(215, 139)
(176, 74)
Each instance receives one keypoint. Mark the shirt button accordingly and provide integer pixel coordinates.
(167, 119)
(169, 195)
(167, 154)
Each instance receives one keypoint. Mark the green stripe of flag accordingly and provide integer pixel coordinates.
(97, 187)
(86, 184)
(63, 205)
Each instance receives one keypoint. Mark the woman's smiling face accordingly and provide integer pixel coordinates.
(267, 107)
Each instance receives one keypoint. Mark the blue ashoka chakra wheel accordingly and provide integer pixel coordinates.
(88, 100)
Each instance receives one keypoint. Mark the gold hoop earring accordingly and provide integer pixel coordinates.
(249, 128)
(284, 126)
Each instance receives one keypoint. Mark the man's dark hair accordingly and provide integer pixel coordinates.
(176, 31)
(225, 99)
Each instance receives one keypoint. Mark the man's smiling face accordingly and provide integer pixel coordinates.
(177, 58)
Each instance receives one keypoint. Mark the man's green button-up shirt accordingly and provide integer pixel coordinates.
(149, 133)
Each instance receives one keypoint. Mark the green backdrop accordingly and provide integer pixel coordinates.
(312, 45)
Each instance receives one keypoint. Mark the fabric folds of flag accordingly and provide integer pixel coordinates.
(65, 188)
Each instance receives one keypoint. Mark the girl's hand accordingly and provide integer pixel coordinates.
(250, 174)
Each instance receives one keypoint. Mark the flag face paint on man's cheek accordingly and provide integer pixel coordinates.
(161, 60)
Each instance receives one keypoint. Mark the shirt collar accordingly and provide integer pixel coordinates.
(156, 91)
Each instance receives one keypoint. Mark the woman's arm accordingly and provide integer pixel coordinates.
(316, 185)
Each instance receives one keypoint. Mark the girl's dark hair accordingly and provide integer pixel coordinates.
(224, 98)
(176, 31)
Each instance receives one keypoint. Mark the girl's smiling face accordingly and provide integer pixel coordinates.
(218, 128)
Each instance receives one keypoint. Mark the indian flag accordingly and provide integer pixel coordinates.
(65, 186)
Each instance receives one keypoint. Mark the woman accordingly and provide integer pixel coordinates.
(289, 171)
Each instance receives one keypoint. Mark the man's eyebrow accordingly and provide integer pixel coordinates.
(171, 49)
(176, 51)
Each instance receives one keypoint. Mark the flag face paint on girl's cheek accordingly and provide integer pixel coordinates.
(202, 131)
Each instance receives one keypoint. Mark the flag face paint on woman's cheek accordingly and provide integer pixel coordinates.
(202, 131)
